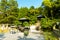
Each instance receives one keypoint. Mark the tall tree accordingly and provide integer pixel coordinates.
(3, 5)
(23, 12)
(9, 9)
(51, 8)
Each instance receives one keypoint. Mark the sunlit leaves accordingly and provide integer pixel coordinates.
(47, 3)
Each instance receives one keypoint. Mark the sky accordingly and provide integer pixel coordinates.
(29, 3)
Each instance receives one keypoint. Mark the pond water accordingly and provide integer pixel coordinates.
(20, 36)
(1, 36)
(32, 38)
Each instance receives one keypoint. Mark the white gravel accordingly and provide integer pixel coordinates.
(20, 36)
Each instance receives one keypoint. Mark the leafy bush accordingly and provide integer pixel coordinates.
(47, 23)
(26, 24)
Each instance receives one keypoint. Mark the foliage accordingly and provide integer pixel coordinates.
(51, 8)
(26, 24)
(51, 12)
(49, 35)
(45, 22)
(11, 13)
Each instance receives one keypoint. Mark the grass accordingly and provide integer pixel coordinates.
(49, 36)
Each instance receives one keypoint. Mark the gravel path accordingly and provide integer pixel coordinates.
(20, 36)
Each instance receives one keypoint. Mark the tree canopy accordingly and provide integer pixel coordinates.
(10, 13)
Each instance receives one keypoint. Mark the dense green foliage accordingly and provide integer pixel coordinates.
(10, 13)
(51, 8)
(51, 11)
(9, 10)
(50, 36)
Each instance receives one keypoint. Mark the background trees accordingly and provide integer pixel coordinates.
(52, 8)
(51, 12)
(9, 11)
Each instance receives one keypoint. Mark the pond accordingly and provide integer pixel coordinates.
(20, 36)
(33, 38)
(1, 36)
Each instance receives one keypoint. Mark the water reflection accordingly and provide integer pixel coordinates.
(25, 38)
(41, 37)
(1, 36)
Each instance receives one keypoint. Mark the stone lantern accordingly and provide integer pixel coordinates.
(25, 29)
